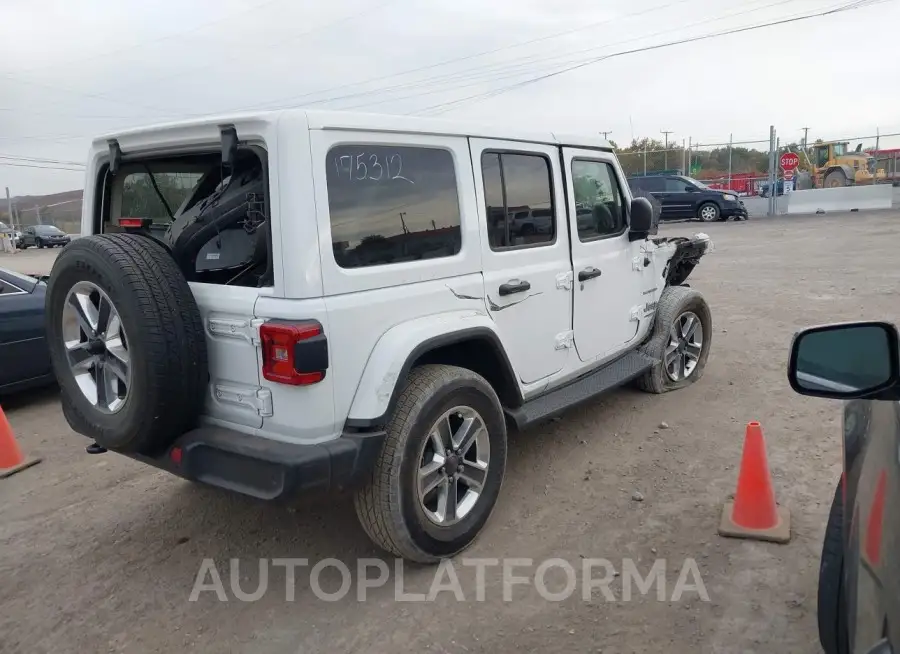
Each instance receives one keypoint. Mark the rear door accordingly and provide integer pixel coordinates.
(525, 252)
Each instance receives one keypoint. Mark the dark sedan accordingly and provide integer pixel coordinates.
(23, 347)
(44, 236)
(859, 574)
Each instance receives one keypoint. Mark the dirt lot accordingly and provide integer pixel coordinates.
(99, 553)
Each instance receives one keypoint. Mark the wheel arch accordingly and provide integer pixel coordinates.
(434, 339)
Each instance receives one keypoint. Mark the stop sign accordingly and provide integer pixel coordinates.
(789, 161)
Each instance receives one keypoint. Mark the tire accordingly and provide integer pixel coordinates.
(388, 505)
(832, 613)
(835, 179)
(708, 212)
(676, 301)
(165, 385)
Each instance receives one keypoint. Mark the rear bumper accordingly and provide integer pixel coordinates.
(266, 469)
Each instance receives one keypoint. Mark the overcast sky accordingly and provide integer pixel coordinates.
(72, 70)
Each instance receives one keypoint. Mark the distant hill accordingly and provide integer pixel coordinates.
(60, 209)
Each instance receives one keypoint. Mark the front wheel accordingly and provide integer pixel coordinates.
(682, 334)
(439, 473)
(708, 212)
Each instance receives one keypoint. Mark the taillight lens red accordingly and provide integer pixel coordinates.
(278, 348)
(132, 222)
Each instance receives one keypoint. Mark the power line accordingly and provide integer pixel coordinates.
(164, 37)
(27, 165)
(15, 157)
(846, 7)
(517, 69)
(418, 69)
(514, 67)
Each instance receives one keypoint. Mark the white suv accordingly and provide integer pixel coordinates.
(291, 302)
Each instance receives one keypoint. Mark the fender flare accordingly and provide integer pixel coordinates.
(400, 347)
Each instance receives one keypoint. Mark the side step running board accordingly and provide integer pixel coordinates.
(610, 376)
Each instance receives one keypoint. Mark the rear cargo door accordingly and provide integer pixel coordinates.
(235, 396)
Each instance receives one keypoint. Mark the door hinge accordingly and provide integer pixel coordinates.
(565, 280)
(565, 340)
(244, 328)
(257, 398)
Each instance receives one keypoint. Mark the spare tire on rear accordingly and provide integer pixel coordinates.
(126, 341)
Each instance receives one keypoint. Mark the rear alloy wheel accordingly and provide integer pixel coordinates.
(708, 212)
(437, 478)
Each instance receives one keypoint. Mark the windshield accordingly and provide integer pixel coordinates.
(695, 182)
(48, 229)
(840, 149)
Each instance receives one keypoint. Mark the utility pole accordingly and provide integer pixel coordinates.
(38, 210)
(666, 132)
(606, 134)
(402, 222)
(688, 169)
(12, 219)
(805, 136)
(683, 158)
(772, 190)
(730, 144)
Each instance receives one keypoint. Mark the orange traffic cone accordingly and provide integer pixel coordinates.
(754, 514)
(11, 459)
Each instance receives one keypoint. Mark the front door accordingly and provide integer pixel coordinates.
(607, 286)
(525, 252)
(680, 201)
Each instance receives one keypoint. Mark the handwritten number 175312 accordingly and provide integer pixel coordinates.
(365, 166)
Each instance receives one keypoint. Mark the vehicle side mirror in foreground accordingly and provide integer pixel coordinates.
(641, 218)
(846, 361)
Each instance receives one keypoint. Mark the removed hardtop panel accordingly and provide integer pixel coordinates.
(211, 217)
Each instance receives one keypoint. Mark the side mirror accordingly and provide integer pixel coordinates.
(689, 189)
(641, 218)
(846, 361)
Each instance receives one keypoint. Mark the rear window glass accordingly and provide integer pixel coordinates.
(392, 204)
(140, 199)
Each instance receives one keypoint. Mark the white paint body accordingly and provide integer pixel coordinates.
(375, 316)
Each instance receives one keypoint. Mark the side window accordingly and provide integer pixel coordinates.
(675, 185)
(519, 197)
(599, 207)
(392, 204)
(8, 289)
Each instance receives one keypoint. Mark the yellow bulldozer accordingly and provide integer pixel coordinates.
(831, 164)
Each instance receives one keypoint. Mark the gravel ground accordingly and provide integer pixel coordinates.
(100, 553)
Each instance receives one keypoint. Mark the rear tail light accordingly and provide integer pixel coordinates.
(294, 353)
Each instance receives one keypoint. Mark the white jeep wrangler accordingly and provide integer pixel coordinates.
(300, 301)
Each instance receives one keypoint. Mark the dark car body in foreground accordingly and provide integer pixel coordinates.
(44, 236)
(859, 575)
(24, 357)
(684, 197)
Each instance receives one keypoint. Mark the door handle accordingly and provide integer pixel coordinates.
(589, 273)
(514, 286)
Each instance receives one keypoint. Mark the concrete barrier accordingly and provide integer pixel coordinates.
(845, 198)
